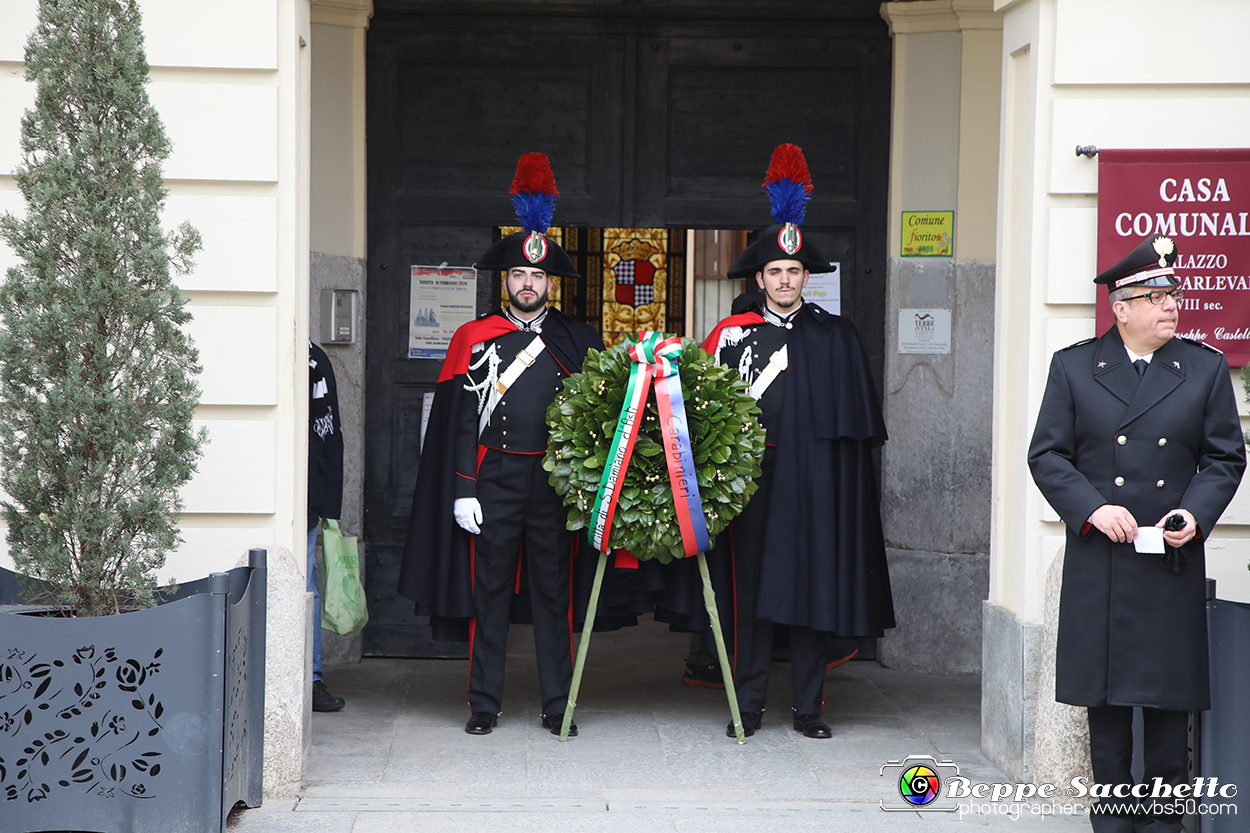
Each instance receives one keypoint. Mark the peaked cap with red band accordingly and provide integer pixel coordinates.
(1149, 264)
(534, 195)
(788, 184)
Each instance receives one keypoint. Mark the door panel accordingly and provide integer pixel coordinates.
(653, 116)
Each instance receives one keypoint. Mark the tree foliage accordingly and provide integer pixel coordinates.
(97, 376)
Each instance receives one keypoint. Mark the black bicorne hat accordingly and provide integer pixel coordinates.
(772, 245)
(1149, 264)
(534, 197)
(789, 185)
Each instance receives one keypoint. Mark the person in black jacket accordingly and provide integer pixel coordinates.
(325, 493)
(1137, 428)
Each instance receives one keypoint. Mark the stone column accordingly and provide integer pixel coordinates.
(936, 467)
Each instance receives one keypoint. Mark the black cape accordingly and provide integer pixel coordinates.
(436, 573)
(825, 550)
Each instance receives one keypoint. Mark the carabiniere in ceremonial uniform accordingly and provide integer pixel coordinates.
(507, 557)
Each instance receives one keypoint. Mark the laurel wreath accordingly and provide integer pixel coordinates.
(725, 436)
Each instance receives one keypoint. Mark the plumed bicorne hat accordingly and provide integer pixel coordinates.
(534, 196)
(788, 184)
(1149, 264)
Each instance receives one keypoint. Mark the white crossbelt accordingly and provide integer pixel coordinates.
(777, 363)
(526, 357)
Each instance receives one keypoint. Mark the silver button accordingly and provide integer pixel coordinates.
(505, 416)
(1121, 439)
(789, 326)
(1163, 441)
(505, 433)
(1159, 484)
(1119, 481)
(505, 445)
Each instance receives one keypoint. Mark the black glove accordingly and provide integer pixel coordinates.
(1171, 558)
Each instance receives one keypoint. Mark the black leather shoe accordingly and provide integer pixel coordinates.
(706, 674)
(481, 723)
(750, 722)
(554, 724)
(812, 726)
(324, 701)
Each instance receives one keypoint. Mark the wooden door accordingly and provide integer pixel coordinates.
(658, 116)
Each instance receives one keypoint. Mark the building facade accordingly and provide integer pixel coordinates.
(310, 145)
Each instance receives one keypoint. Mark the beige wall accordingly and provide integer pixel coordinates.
(1084, 72)
(338, 138)
(944, 151)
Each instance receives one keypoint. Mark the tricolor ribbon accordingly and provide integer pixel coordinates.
(654, 356)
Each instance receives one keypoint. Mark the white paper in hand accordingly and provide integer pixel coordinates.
(1149, 540)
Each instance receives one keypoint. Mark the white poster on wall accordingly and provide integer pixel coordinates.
(924, 331)
(825, 289)
(442, 298)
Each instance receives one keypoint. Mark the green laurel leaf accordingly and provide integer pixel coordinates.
(726, 438)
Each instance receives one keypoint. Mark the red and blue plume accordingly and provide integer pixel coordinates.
(788, 184)
(534, 192)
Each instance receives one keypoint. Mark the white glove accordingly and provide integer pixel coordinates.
(468, 514)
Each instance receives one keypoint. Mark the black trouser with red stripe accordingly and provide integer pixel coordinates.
(754, 637)
(519, 504)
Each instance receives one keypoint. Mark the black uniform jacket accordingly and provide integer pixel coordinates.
(436, 572)
(325, 438)
(824, 557)
(1130, 632)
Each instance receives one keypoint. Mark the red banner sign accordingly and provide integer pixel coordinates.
(1201, 199)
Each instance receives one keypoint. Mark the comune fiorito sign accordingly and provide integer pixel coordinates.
(1200, 199)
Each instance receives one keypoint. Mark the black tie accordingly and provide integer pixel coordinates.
(1140, 364)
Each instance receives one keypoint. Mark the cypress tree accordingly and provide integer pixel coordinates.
(97, 376)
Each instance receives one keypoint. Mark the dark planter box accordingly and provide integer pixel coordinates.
(1226, 727)
(146, 722)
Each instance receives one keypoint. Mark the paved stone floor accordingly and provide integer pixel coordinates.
(652, 754)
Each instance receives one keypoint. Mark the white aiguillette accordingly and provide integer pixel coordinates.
(1149, 540)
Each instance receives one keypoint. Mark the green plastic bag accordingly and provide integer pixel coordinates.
(343, 599)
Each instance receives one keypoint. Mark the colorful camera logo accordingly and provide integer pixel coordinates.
(918, 780)
(919, 785)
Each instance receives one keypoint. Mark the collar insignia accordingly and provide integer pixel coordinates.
(1102, 364)
(1177, 365)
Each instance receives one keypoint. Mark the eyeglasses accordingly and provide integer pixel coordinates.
(1157, 296)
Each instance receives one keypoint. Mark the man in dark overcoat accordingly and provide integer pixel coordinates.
(1137, 427)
